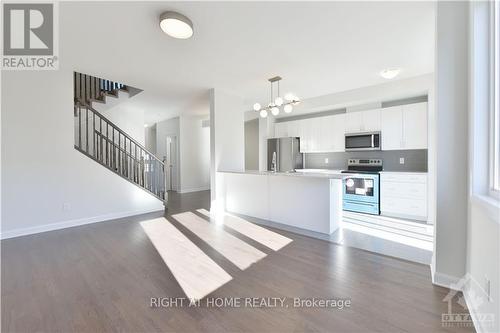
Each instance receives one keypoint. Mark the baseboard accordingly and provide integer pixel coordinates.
(448, 281)
(196, 189)
(72, 223)
(478, 324)
(444, 280)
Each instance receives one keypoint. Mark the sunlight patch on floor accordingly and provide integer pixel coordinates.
(234, 249)
(197, 274)
(259, 234)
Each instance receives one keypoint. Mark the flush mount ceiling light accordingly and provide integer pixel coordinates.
(277, 103)
(176, 25)
(390, 73)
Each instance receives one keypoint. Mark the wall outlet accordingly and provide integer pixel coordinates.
(326, 160)
(66, 207)
(401, 160)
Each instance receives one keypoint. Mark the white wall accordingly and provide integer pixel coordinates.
(483, 261)
(227, 142)
(483, 228)
(41, 171)
(194, 154)
(451, 138)
(129, 119)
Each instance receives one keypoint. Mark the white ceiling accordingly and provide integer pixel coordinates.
(318, 48)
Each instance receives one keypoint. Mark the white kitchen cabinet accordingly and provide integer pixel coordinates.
(325, 134)
(305, 134)
(353, 122)
(320, 134)
(371, 120)
(362, 121)
(281, 130)
(293, 128)
(392, 128)
(315, 134)
(404, 194)
(415, 126)
(286, 129)
(404, 127)
(338, 133)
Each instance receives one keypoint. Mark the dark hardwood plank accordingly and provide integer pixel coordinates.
(100, 278)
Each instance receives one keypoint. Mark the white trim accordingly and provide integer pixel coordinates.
(196, 189)
(474, 312)
(443, 280)
(490, 205)
(72, 223)
(494, 139)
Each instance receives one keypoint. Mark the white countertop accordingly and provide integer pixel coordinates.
(405, 172)
(316, 173)
(308, 173)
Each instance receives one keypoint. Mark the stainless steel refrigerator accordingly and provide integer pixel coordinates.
(283, 154)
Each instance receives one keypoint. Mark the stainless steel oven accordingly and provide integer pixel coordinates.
(362, 141)
(361, 187)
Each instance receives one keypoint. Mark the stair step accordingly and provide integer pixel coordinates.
(421, 228)
(395, 231)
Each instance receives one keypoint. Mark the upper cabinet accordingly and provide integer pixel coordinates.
(415, 126)
(362, 121)
(281, 130)
(392, 128)
(404, 127)
(286, 129)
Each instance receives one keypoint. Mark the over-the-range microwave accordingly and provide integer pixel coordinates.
(362, 141)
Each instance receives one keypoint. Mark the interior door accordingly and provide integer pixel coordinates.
(171, 163)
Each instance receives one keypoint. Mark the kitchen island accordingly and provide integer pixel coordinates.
(305, 200)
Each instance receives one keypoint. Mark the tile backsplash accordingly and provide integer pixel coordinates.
(414, 160)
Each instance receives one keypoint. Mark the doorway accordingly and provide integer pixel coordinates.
(171, 163)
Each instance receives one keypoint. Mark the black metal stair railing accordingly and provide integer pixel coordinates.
(88, 88)
(101, 140)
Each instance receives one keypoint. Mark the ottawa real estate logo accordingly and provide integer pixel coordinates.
(30, 36)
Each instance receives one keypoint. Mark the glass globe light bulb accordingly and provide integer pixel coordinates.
(278, 101)
(263, 113)
(275, 111)
(288, 108)
(256, 107)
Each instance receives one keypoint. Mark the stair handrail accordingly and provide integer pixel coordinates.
(109, 122)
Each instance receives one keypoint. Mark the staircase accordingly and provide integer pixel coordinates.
(101, 140)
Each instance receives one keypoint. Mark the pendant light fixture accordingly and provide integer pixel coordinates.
(276, 103)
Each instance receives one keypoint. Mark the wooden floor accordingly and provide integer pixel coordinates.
(101, 277)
